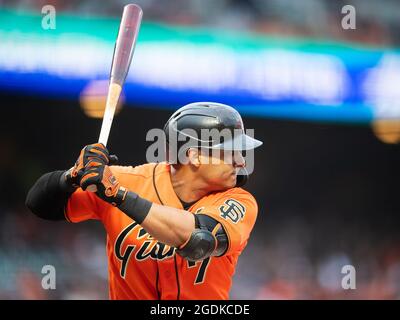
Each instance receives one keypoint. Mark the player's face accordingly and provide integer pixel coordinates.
(219, 168)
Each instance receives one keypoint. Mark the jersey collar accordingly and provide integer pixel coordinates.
(163, 186)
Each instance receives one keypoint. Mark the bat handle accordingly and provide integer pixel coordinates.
(114, 92)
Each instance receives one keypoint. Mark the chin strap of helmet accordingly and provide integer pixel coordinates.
(242, 177)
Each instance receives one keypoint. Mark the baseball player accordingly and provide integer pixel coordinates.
(175, 229)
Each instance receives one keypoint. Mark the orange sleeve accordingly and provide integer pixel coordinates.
(83, 205)
(237, 213)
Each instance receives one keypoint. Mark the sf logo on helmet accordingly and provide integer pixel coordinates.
(232, 210)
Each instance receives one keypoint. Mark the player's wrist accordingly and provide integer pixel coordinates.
(67, 182)
(135, 207)
(116, 197)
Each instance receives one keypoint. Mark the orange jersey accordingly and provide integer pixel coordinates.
(139, 266)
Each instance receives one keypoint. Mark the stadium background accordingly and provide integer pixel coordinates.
(324, 100)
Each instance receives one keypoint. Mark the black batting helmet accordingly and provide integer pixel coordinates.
(189, 121)
(199, 116)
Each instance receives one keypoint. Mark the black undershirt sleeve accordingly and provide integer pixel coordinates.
(48, 196)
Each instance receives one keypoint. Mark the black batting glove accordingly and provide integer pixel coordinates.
(108, 187)
(95, 153)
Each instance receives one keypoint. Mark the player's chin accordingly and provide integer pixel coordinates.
(225, 182)
(231, 181)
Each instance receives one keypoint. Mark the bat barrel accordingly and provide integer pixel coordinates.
(125, 44)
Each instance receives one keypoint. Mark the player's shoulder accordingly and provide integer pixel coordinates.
(235, 206)
(239, 192)
(145, 170)
(238, 195)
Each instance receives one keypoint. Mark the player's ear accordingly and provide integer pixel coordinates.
(193, 155)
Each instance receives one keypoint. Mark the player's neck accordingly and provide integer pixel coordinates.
(187, 187)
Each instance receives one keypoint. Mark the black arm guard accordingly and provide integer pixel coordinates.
(48, 196)
(205, 241)
(135, 207)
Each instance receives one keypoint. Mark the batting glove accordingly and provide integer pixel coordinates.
(108, 187)
(93, 154)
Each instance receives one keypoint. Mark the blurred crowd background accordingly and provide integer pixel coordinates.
(328, 192)
(378, 20)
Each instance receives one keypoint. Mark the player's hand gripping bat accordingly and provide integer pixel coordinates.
(123, 52)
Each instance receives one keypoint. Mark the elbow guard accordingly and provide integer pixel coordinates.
(208, 239)
(48, 197)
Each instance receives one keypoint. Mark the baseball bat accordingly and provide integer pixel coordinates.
(122, 57)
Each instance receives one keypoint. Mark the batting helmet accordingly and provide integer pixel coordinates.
(192, 120)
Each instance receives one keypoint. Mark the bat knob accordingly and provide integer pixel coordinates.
(91, 188)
